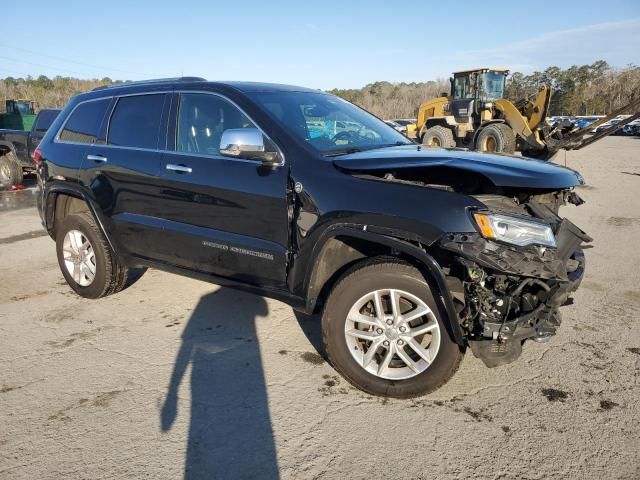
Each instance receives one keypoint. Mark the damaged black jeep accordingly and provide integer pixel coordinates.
(410, 255)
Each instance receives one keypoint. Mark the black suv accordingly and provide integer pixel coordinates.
(410, 254)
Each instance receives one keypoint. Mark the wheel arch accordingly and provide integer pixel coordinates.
(344, 247)
(62, 200)
(6, 147)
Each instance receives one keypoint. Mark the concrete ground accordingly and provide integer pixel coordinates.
(174, 374)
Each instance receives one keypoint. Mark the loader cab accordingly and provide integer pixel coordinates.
(473, 90)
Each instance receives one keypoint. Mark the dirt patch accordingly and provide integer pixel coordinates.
(622, 221)
(505, 429)
(554, 395)
(23, 236)
(635, 350)
(608, 404)
(477, 415)
(331, 386)
(633, 295)
(312, 358)
(67, 342)
(104, 399)
(17, 298)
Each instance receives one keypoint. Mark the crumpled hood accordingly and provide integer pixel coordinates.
(501, 170)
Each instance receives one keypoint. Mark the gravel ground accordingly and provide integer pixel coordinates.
(174, 374)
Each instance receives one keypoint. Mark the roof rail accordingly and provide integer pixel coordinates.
(154, 80)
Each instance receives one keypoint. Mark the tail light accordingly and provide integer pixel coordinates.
(37, 157)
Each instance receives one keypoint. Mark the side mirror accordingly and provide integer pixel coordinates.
(248, 143)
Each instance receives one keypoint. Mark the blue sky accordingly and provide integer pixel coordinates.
(322, 44)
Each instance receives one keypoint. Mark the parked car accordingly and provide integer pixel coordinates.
(396, 126)
(410, 255)
(409, 124)
(17, 147)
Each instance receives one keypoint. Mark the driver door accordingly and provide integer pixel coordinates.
(224, 216)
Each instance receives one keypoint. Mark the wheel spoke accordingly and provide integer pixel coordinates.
(362, 334)
(407, 360)
(395, 305)
(364, 319)
(377, 301)
(76, 272)
(421, 329)
(371, 352)
(384, 364)
(417, 312)
(420, 350)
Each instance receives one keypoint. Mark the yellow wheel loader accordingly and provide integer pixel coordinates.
(476, 115)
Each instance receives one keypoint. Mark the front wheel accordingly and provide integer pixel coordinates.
(383, 332)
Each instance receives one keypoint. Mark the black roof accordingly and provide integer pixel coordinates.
(245, 87)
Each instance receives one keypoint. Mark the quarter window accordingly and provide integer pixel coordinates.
(84, 122)
(201, 120)
(136, 121)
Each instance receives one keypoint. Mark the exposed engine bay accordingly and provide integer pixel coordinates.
(507, 294)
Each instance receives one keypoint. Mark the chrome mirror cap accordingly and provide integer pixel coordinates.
(247, 143)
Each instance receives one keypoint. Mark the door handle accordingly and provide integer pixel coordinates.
(97, 158)
(178, 168)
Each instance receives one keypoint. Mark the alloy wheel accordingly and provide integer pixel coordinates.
(392, 334)
(79, 257)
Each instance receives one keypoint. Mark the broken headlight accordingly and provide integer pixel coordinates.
(514, 230)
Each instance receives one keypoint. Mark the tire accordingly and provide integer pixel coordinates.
(348, 356)
(543, 154)
(110, 276)
(438, 137)
(496, 138)
(10, 170)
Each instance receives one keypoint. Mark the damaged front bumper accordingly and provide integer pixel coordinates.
(509, 294)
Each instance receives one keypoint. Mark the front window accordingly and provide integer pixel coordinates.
(491, 86)
(327, 123)
(463, 87)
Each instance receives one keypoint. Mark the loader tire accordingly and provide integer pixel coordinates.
(10, 170)
(438, 137)
(496, 138)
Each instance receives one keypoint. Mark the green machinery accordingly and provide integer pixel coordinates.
(18, 115)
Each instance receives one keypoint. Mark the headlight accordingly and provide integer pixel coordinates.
(514, 230)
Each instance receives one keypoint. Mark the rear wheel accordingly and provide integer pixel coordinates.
(10, 169)
(496, 138)
(439, 137)
(86, 260)
(383, 332)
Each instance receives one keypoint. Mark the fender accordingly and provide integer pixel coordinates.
(430, 268)
(8, 145)
(49, 201)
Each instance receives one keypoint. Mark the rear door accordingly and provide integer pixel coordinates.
(226, 216)
(122, 170)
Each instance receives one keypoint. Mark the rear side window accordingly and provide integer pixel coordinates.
(136, 121)
(84, 122)
(45, 119)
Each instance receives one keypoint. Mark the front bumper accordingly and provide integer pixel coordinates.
(513, 294)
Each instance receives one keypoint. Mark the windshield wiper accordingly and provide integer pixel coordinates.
(349, 150)
(344, 151)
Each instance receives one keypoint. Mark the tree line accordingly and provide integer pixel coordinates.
(578, 90)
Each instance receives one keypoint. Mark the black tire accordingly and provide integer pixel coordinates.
(110, 276)
(438, 137)
(496, 138)
(367, 277)
(10, 169)
(543, 154)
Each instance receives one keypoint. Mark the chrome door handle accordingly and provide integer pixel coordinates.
(97, 158)
(178, 168)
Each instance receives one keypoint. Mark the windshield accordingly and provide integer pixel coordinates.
(328, 123)
(491, 86)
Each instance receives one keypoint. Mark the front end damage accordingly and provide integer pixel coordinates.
(508, 294)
